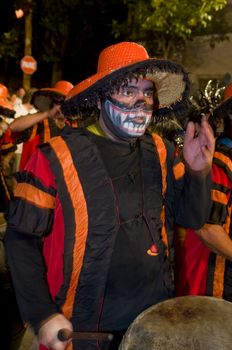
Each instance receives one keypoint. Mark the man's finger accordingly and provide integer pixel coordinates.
(190, 131)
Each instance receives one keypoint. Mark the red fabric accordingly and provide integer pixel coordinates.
(54, 243)
(192, 266)
(219, 177)
(28, 148)
(7, 137)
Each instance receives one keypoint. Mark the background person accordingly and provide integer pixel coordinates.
(203, 257)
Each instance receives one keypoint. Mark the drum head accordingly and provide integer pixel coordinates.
(182, 323)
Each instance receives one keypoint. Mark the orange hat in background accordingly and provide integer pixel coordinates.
(45, 98)
(228, 91)
(6, 108)
(3, 91)
(62, 87)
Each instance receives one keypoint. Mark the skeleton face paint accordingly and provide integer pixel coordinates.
(126, 122)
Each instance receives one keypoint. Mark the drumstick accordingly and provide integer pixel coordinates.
(66, 334)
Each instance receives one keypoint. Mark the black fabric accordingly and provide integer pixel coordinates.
(31, 277)
(210, 274)
(26, 218)
(135, 280)
(5, 194)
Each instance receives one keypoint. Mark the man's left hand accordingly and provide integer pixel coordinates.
(199, 147)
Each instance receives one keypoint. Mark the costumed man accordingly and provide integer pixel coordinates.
(39, 127)
(12, 327)
(203, 257)
(101, 202)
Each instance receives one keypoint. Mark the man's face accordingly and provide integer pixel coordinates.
(129, 111)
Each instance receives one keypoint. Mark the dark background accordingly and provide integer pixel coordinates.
(67, 37)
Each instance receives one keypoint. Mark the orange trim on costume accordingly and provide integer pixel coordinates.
(34, 132)
(32, 194)
(5, 146)
(219, 272)
(179, 170)
(75, 191)
(218, 281)
(74, 124)
(162, 152)
(223, 158)
(47, 133)
(219, 197)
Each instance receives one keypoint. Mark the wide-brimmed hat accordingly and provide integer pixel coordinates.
(116, 61)
(44, 99)
(6, 108)
(3, 91)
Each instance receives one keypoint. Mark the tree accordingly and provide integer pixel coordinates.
(67, 37)
(165, 26)
(69, 34)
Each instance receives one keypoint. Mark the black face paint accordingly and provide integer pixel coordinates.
(126, 122)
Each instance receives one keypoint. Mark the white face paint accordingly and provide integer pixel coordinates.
(128, 113)
(131, 122)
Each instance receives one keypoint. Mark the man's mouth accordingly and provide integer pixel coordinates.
(133, 127)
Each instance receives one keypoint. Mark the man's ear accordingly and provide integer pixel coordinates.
(99, 104)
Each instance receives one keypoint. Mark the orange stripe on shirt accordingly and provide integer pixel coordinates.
(76, 194)
(162, 153)
(179, 170)
(47, 132)
(219, 197)
(223, 158)
(35, 196)
(218, 281)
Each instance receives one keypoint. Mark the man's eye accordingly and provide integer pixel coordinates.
(148, 93)
(128, 93)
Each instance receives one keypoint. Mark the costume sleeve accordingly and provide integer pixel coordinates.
(30, 219)
(27, 134)
(188, 197)
(222, 189)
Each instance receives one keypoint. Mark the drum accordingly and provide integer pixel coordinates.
(182, 323)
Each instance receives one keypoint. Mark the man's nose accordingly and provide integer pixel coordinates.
(140, 102)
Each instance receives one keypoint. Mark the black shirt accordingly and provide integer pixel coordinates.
(136, 279)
